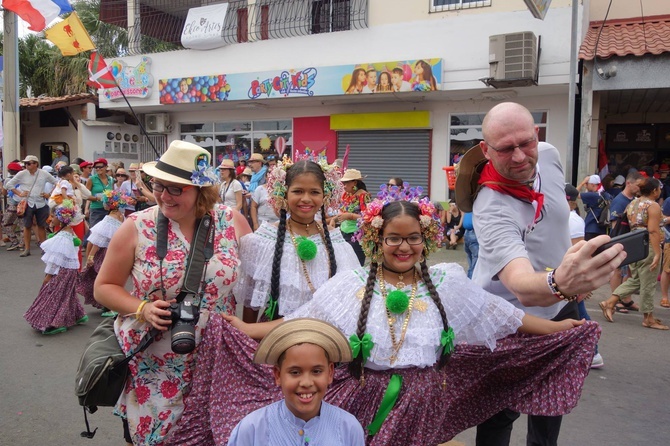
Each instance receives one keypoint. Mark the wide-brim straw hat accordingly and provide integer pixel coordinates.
(468, 171)
(300, 331)
(133, 167)
(227, 164)
(248, 172)
(178, 162)
(351, 175)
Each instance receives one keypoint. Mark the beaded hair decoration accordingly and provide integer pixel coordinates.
(276, 181)
(371, 222)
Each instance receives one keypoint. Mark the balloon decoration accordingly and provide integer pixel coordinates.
(194, 89)
(280, 145)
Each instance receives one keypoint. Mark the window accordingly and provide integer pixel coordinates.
(242, 25)
(330, 15)
(449, 5)
(235, 140)
(465, 132)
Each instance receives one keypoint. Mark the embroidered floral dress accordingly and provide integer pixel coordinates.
(152, 400)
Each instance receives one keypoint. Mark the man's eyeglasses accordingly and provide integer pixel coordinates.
(412, 240)
(526, 145)
(30, 163)
(100, 167)
(175, 191)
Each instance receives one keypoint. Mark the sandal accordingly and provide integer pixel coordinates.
(656, 325)
(625, 307)
(665, 303)
(607, 311)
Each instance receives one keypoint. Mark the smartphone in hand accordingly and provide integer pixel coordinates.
(635, 243)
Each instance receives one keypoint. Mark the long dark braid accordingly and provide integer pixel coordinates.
(329, 244)
(425, 275)
(356, 366)
(276, 266)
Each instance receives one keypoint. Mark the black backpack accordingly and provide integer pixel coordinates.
(621, 225)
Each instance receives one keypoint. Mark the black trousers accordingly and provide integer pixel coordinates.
(542, 431)
(357, 248)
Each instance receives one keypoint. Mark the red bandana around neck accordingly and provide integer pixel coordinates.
(492, 179)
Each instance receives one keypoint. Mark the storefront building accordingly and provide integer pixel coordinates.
(404, 85)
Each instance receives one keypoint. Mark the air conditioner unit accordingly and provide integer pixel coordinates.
(513, 57)
(157, 122)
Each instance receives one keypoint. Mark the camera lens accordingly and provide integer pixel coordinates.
(183, 338)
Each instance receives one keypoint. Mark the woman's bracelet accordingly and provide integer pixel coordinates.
(138, 314)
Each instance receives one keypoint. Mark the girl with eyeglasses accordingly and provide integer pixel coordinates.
(433, 353)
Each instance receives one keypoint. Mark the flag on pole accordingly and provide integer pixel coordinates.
(345, 158)
(70, 36)
(603, 159)
(38, 13)
(99, 74)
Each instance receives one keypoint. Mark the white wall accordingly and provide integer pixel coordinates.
(92, 138)
(34, 135)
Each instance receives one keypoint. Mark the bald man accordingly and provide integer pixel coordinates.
(521, 221)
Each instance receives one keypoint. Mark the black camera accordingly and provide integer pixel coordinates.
(184, 316)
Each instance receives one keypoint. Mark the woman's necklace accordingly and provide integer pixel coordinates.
(298, 244)
(396, 344)
(306, 225)
(401, 275)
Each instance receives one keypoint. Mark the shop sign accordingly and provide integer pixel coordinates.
(203, 29)
(423, 75)
(134, 81)
(631, 136)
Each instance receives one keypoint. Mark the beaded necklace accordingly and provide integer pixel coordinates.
(397, 344)
(302, 261)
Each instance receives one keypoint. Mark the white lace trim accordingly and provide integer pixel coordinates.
(102, 233)
(60, 252)
(477, 317)
(256, 256)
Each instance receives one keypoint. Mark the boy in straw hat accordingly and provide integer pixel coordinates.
(302, 353)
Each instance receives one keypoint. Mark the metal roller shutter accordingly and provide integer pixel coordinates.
(390, 153)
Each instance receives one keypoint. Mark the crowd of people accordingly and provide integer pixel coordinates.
(347, 335)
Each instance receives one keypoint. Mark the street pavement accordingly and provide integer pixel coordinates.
(627, 402)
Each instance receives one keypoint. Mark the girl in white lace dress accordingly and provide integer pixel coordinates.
(434, 353)
(282, 266)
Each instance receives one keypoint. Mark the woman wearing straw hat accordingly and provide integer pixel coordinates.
(184, 186)
(354, 200)
(230, 189)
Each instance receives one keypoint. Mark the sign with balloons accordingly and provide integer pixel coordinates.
(422, 75)
(135, 82)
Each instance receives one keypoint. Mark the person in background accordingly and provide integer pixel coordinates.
(618, 208)
(665, 270)
(230, 189)
(98, 183)
(470, 243)
(593, 200)
(259, 169)
(30, 184)
(11, 223)
(86, 171)
(576, 224)
(454, 225)
(354, 200)
(643, 213)
(617, 186)
(395, 181)
(271, 161)
(59, 157)
(261, 211)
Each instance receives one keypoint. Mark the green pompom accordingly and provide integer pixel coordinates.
(397, 302)
(51, 234)
(306, 248)
(76, 241)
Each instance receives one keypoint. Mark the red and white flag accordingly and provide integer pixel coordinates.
(99, 74)
(603, 159)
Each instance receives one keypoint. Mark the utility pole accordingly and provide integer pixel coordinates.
(11, 121)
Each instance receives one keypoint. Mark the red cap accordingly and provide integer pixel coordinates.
(14, 166)
(85, 164)
(664, 168)
(101, 161)
(239, 170)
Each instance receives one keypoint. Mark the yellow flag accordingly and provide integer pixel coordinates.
(70, 36)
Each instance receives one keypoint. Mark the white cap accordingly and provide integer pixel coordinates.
(619, 180)
(594, 179)
(47, 169)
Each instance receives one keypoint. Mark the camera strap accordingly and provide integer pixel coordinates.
(202, 249)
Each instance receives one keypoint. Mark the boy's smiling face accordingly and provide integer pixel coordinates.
(304, 373)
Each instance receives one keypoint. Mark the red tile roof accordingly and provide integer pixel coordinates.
(42, 103)
(622, 37)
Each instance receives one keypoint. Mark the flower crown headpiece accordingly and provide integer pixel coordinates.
(114, 199)
(276, 181)
(65, 212)
(371, 222)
